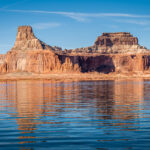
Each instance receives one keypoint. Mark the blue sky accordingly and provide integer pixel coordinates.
(74, 23)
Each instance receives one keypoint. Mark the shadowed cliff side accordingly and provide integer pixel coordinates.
(117, 63)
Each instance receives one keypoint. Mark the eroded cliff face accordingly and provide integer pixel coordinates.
(36, 62)
(46, 62)
(111, 52)
(29, 54)
(120, 63)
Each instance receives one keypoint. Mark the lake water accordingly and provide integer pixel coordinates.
(38, 115)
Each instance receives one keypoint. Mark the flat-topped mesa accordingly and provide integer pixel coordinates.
(119, 38)
(25, 33)
(112, 43)
(119, 42)
(26, 40)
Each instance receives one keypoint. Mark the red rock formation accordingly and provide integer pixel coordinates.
(37, 62)
(112, 43)
(29, 54)
(120, 38)
(119, 63)
(121, 42)
(26, 40)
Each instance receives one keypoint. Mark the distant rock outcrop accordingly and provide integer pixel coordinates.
(120, 42)
(119, 38)
(112, 43)
(111, 52)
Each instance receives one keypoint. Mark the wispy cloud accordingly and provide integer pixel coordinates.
(137, 22)
(42, 26)
(81, 16)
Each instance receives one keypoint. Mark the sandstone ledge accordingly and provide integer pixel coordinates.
(73, 77)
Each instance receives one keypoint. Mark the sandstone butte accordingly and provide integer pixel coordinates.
(112, 53)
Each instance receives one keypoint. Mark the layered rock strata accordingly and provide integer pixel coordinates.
(111, 52)
(26, 40)
(120, 42)
(29, 54)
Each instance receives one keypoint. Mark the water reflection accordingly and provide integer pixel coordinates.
(70, 105)
(128, 94)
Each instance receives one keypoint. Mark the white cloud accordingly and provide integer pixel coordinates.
(81, 16)
(41, 26)
(138, 22)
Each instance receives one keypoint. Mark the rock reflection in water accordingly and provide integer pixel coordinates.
(101, 99)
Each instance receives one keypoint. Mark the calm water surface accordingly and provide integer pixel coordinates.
(38, 115)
